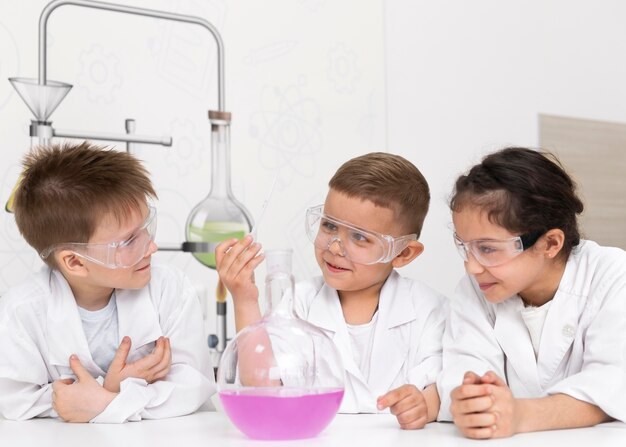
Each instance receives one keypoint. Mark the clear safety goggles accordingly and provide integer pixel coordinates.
(494, 252)
(356, 244)
(113, 255)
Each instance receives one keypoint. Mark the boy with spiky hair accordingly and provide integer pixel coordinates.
(100, 334)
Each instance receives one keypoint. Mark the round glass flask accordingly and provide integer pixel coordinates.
(280, 378)
(220, 215)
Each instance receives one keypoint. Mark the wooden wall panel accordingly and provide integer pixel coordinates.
(594, 153)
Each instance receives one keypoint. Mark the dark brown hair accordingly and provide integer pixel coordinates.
(524, 191)
(65, 190)
(388, 181)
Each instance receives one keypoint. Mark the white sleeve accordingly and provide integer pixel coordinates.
(469, 343)
(602, 379)
(25, 391)
(427, 362)
(190, 382)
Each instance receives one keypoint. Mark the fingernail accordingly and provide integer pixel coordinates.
(126, 339)
(73, 357)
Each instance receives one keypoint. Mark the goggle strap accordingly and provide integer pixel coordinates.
(529, 239)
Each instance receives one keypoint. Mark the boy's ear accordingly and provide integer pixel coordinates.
(412, 251)
(70, 263)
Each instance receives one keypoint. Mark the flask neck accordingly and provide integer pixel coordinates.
(220, 160)
(279, 294)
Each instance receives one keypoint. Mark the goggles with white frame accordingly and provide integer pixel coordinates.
(495, 252)
(114, 255)
(358, 245)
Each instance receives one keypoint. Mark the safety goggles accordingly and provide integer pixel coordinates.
(356, 244)
(494, 252)
(113, 255)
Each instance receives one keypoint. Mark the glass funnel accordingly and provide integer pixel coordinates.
(280, 378)
(220, 215)
(41, 99)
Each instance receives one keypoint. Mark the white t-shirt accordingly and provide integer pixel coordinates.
(361, 342)
(534, 318)
(101, 332)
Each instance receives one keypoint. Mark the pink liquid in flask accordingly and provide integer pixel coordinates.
(281, 413)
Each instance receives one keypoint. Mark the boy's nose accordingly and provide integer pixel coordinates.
(335, 246)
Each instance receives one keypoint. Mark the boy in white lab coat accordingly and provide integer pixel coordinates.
(387, 328)
(535, 339)
(100, 334)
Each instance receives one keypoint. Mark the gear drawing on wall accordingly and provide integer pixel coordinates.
(186, 156)
(343, 70)
(100, 74)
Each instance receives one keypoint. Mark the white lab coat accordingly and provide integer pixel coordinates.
(40, 328)
(407, 338)
(582, 352)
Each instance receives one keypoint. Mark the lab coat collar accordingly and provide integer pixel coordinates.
(136, 315)
(395, 309)
(390, 351)
(65, 333)
(560, 327)
(325, 312)
(512, 335)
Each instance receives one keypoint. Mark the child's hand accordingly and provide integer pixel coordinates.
(473, 408)
(80, 400)
(235, 262)
(407, 404)
(504, 406)
(154, 366)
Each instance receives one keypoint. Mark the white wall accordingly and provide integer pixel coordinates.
(468, 77)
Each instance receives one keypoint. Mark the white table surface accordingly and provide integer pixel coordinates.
(214, 429)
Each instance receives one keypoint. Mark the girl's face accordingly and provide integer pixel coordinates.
(524, 275)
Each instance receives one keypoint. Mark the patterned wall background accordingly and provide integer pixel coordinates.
(312, 83)
(304, 81)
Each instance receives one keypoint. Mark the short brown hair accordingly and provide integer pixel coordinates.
(66, 189)
(389, 181)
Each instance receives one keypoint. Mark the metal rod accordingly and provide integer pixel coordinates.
(50, 7)
(163, 141)
(129, 125)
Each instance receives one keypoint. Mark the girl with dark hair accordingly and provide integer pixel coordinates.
(535, 337)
